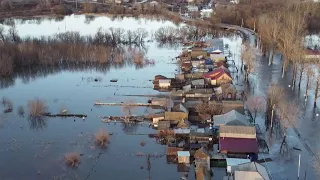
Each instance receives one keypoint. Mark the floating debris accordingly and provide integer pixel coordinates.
(114, 80)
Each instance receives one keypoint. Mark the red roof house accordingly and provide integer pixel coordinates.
(238, 145)
(218, 76)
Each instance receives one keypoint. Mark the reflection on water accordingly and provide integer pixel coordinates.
(37, 123)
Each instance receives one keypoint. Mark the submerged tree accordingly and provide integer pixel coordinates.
(249, 59)
(288, 114)
(274, 98)
(256, 104)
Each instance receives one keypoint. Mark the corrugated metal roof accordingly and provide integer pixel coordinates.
(253, 167)
(237, 132)
(233, 118)
(181, 131)
(183, 153)
(236, 161)
(238, 145)
(175, 116)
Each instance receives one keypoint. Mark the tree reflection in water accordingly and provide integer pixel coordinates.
(37, 123)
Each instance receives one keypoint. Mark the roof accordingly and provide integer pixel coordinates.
(236, 161)
(180, 107)
(173, 151)
(163, 125)
(248, 175)
(181, 131)
(164, 80)
(233, 118)
(237, 132)
(233, 105)
(252, 167)
(183, 124)
(175, 116)
(216, 73)
(183, 153)
(201, 153)
(238, 145)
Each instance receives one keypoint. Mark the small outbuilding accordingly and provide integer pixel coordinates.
(183, 157)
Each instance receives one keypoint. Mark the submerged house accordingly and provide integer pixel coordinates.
(232, 118)
(183, 157)
(172, 154)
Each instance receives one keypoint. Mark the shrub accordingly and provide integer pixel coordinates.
(61, 10)
(36, 108)
(89, 8)
(102, 138)
(20, 111)
(72, 159)
(142, 143)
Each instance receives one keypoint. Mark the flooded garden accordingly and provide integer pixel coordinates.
(49, 74)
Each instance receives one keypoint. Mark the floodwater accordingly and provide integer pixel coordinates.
(30, 150)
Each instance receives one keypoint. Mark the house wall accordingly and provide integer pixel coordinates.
(184, 159)
(164, 84)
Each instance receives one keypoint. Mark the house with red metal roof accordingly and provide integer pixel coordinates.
(238, 141)
(218, 76)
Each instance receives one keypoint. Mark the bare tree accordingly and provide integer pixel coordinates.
(127, 109)
(317, 86)
(211, 109)
(288, 114)
(310, 74)
(256, 104)
(269, 27)
(274, 97)
(249, 59)
(302, 69)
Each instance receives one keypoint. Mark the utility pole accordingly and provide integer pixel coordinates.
(241, 22)
(299, 166)
(254, 26)
(77, 4)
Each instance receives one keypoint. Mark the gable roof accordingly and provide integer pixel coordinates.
(216, 72)
(175, 116)
(238, 145)
(201, 153)
(183, 124)
(173, 151)
(237, 132)
(233, 118)
(252, 167)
